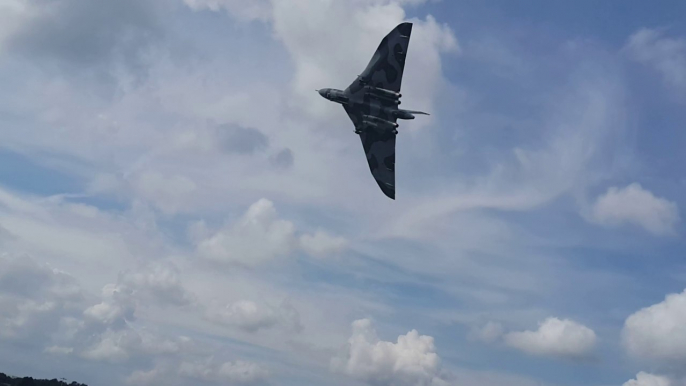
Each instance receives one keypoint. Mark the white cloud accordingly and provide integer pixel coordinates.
(111, 135)
(666, 55)
(365, 22)
(117, 306)
(251, 317)
(126, 139)
(46, 308)
(199, 368)
(411, 361)
(562, 338)
(658, 332)
(117, 345)
(647, 379)
(246, 315)
(79, 238)
(159, 281)
(124, 135)
(33, 298)
(110, 347)
(308, 42)
(321, 244)
(23, 276)
(146, 378)
(107, 333)
(260, 236)
(638, 206)
(12, 12)
(244, 10)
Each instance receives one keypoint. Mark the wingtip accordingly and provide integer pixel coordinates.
(389, 193)
(405, 28)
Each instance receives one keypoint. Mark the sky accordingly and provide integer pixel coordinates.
(178, 206)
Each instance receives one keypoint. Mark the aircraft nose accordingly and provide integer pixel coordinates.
(322, 92)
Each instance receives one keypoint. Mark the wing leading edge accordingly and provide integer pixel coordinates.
(385, 69)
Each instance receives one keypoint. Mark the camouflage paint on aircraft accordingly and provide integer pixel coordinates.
(372, 101)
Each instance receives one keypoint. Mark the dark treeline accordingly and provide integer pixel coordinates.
(6, 380)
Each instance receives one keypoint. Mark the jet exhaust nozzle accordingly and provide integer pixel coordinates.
(403, 114)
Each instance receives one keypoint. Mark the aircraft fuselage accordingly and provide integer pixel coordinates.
(383, 100)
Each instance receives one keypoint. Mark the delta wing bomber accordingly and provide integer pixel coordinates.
(372, 101)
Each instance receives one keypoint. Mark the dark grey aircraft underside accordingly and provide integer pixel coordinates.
(371, 102)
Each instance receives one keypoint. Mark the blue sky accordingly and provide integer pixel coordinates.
(537, 238)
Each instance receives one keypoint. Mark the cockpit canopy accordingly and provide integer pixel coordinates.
(333, 95)
(325, 92)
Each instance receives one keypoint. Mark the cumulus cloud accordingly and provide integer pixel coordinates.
(658, 332)
(411, 361)
(47, 308)
(159, 282)
(260, 236)
(647, 379)
(557, 337)
(104, 330)
(664, 54)
(107, 332)
(33, 298)
(116, 308)
(118, 345)
(321, 244)
(638, 206)
(42, 306)
(251, 317)
(154, 283)
(110, 347)
(108, 329)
